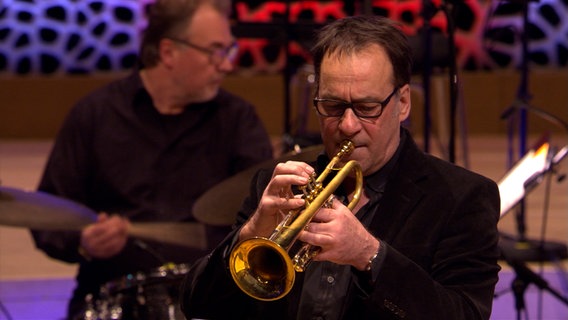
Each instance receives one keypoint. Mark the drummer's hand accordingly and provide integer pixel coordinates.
(106, 237)
(277, 199)
(341, 236)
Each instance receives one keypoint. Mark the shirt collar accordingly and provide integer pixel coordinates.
(376, 181)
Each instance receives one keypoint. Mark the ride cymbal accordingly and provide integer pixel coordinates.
(219, 205)
(42, 211)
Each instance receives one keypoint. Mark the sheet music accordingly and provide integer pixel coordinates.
(512, 185)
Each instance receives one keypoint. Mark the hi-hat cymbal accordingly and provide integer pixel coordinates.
(42, 211)
(220, 204)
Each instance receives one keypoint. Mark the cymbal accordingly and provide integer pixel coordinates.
(219, 205)
(42, 211)
(185, 234)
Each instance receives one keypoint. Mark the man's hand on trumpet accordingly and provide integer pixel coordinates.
(341, 237)
(277, 199)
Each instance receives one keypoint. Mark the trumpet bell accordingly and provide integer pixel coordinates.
(262, 269)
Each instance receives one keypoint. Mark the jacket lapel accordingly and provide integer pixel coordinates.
(402, 193)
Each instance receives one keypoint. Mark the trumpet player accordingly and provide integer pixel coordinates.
(421, 243)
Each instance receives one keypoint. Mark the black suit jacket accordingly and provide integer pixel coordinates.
(437, 224)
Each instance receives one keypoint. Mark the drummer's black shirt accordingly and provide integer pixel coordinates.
(115, 153)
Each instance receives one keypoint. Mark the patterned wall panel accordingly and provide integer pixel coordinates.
(90, 36)
(546, 30)
(57, 36)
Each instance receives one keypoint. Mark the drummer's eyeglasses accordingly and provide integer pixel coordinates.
(216, 55)
(362, 109)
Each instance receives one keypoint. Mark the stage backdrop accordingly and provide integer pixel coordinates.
(53, 52)
(96, 36)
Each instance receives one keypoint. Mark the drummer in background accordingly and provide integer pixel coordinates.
(145, 147)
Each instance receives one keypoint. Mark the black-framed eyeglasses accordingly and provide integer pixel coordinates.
(362, 109)
(216, 55)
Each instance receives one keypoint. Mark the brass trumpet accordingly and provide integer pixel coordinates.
(262, 267)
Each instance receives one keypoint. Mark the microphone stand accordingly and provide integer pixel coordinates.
(522, 99)
(522, 107)
(287, 73)
(282, 32)
(428, 11)
(537, 250)
(448, 8)
(523, 278)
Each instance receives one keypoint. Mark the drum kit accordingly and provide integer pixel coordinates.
(151, 295)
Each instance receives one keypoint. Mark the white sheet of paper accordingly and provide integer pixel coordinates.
(512, 185)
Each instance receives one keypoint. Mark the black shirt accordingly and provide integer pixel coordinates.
(115, 153)
(326, 283)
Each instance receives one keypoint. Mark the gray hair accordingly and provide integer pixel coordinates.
(169, 18)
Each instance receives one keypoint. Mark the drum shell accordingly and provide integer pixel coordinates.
(153, 295)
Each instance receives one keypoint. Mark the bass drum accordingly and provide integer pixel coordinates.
(145, 296)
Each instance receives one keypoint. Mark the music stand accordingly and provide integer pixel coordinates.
(525, 175)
